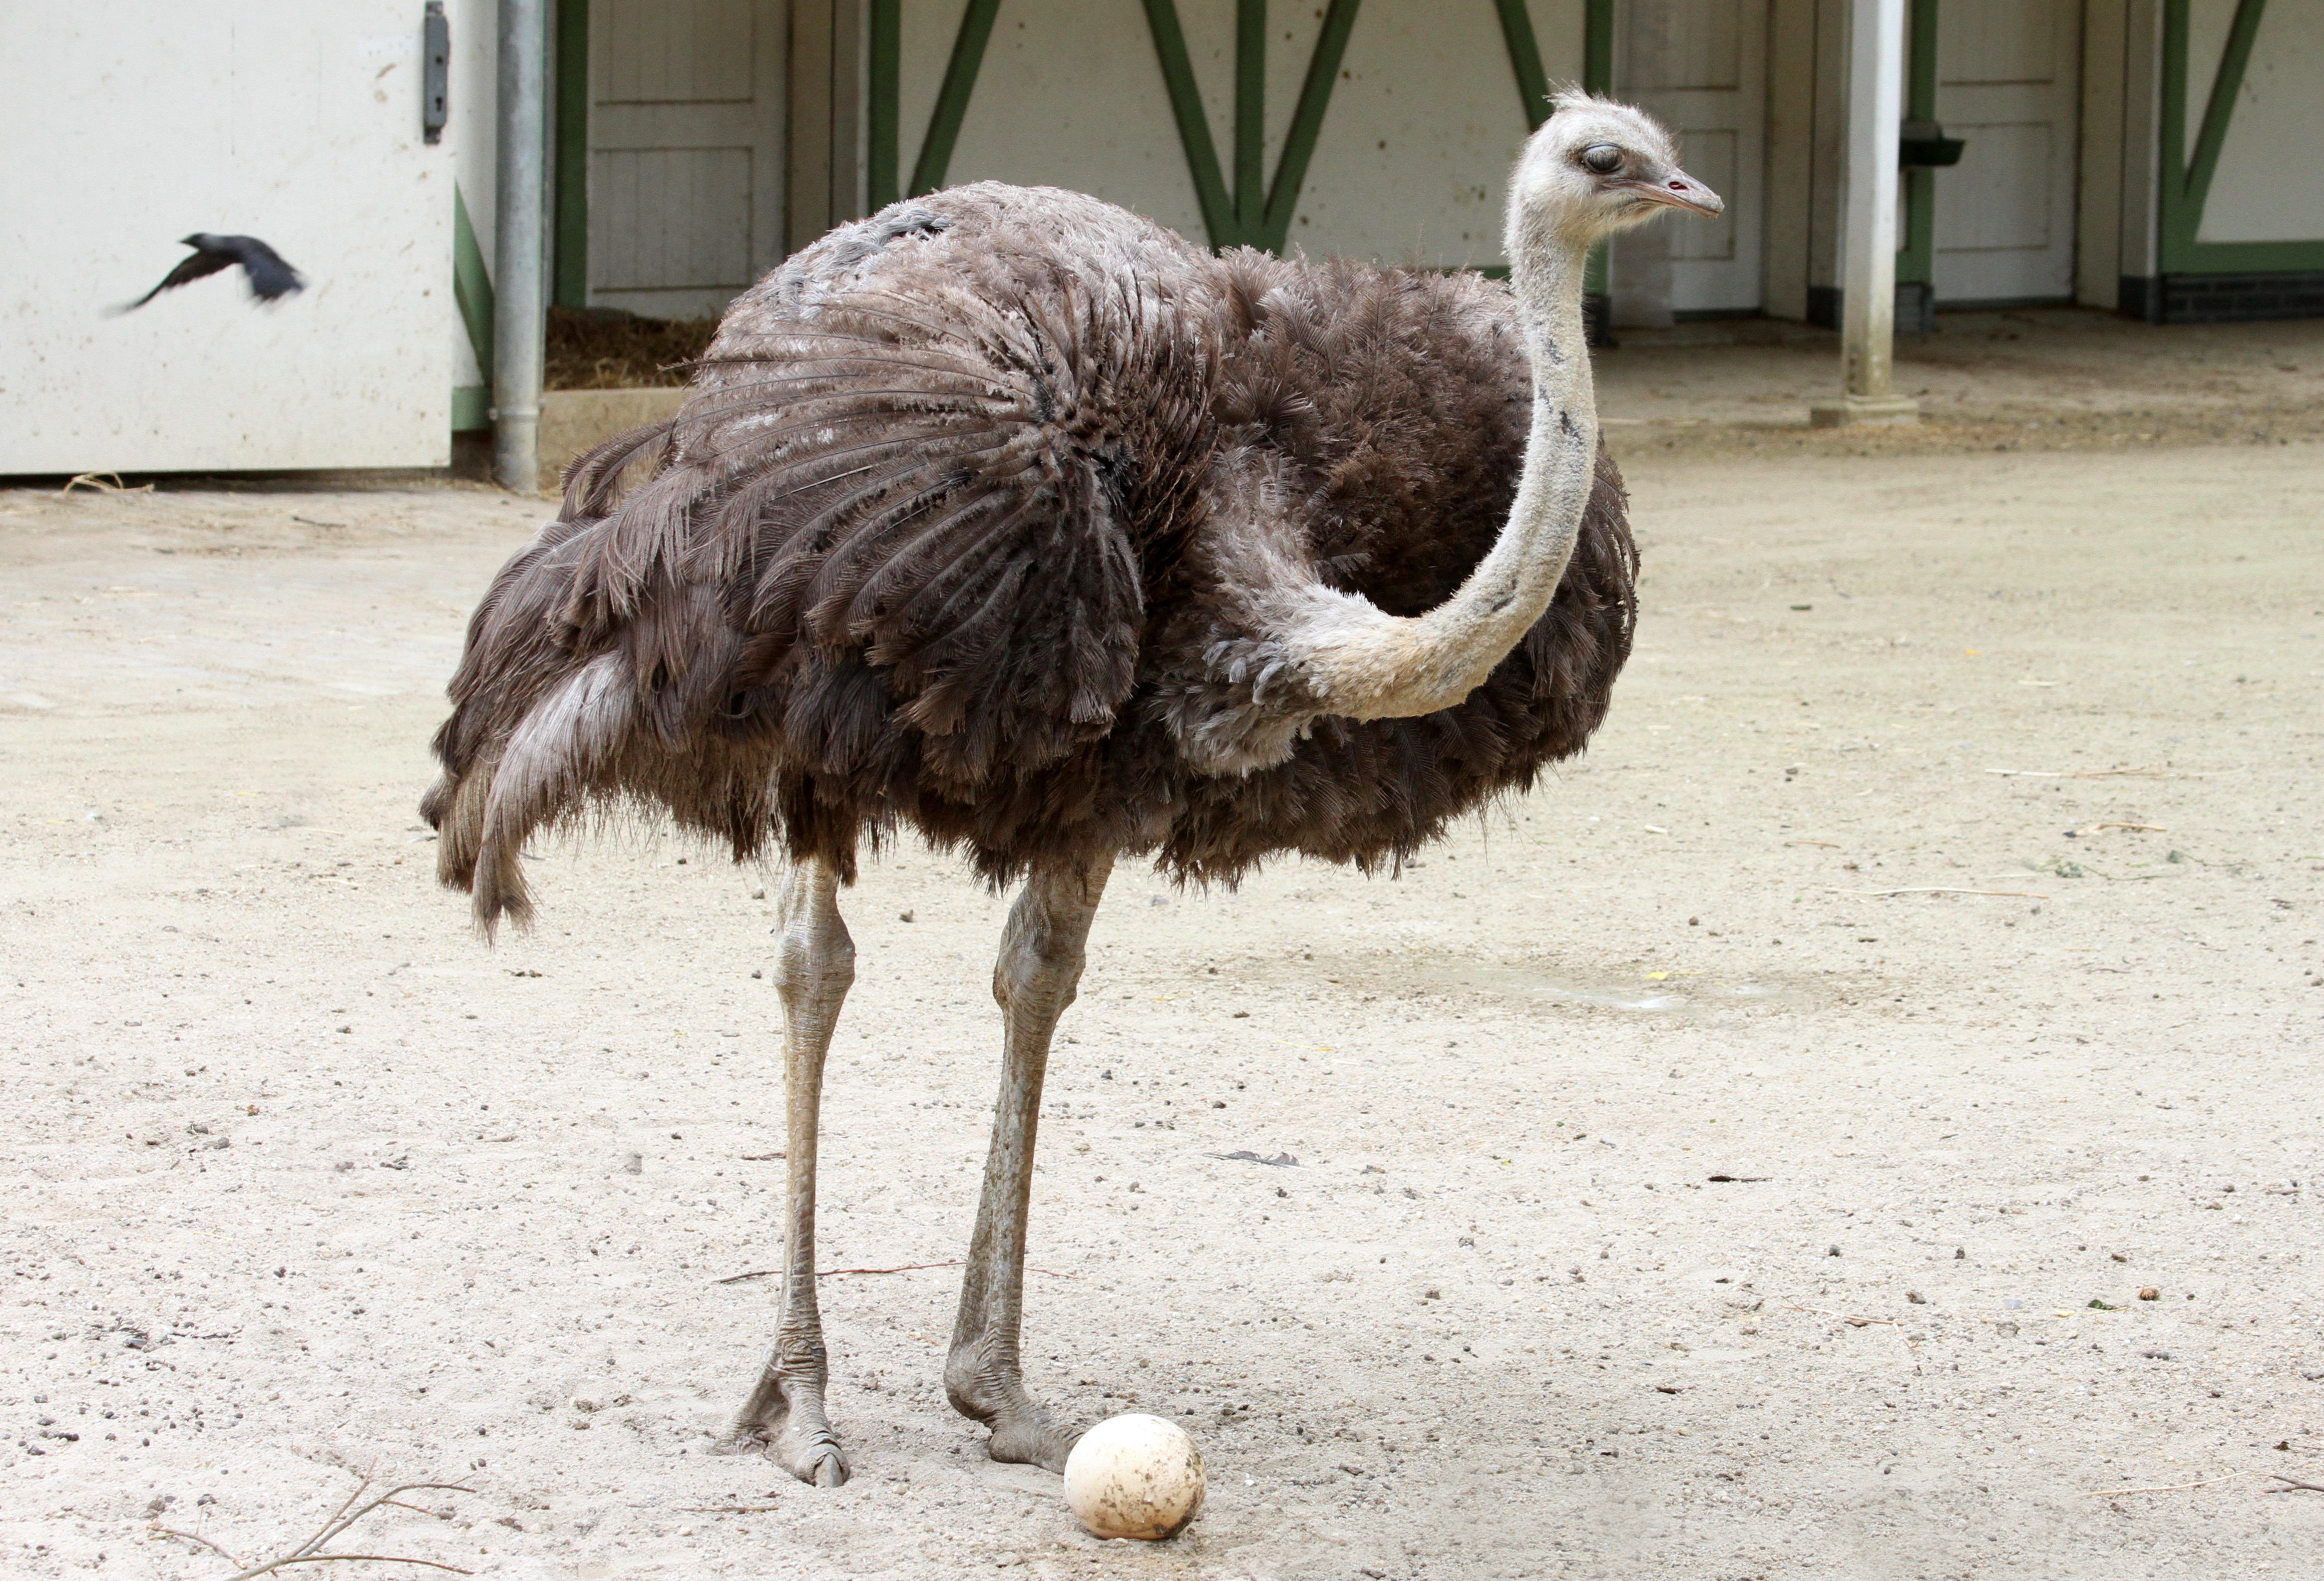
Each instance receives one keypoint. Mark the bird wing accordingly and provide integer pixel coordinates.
(270, 276)
(192, 266)
(908, 519)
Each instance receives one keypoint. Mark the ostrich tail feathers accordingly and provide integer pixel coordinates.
(560, 756)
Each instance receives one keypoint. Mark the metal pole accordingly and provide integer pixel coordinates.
(519, 222)
(1868, 329)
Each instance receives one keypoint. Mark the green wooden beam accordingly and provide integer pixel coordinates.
(1598, 46)
(472, 409)
(569, 280)
(1524, 60)
(2187, 177)
(952, 98)
(1916, 259)
(1597, 78)
(2221, 106)
(1307, 122)
(471, 288)
(883, 89)
(1219, 218)
(1250, 117)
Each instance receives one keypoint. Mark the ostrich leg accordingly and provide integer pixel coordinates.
(812, 969)
(1034, 979)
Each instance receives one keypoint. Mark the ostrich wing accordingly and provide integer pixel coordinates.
(880, 564)
(910, 530)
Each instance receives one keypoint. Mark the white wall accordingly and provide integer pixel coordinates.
(1071, 96)
(2270, 182)
(130, 122)
(1431, 80)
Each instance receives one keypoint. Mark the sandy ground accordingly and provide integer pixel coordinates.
(2028, 379)
(1741, 1159)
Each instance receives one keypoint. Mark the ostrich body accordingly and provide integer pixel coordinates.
(1011, 518)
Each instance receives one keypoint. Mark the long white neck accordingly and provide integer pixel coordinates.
(1363, 663)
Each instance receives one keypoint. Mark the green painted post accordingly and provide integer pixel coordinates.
(881, 91)
(1597, 78)
(1916, 260)
(1250, 120)
(572, 155)
(1598, 46)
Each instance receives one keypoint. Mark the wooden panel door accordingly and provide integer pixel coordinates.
(686, 151)
(1701, 66)
(2007, 83)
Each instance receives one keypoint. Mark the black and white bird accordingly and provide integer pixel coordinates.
(270, 278)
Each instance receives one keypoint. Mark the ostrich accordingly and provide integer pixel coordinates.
(1011, 518)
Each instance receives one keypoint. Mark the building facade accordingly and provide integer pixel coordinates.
(2161, 158)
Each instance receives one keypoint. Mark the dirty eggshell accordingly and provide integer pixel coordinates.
(1135, 1475)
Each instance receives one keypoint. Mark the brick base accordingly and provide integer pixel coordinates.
(2233, 299)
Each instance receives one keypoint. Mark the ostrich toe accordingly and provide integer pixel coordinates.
(1023, 1432)
(784, 1420)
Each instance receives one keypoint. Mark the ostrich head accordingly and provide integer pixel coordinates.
(1596, 168)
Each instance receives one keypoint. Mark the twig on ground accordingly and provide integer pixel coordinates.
(2098, 773)
(272, 1566)
(727, 1509)
(1946, 889)
(1851, 1321)
(345, 1516)
(899, 1268)
(1827, 844)
(2174, 1488)
(197, 1536)
(827, 1272)
(2291, 1483)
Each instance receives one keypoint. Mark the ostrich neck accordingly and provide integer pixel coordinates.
(1365, 664)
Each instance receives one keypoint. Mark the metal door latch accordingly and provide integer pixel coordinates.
(435, 72)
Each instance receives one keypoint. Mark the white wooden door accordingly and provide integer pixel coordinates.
(2007, 83)
(127, 124)
(1701, 66)
(686, 151)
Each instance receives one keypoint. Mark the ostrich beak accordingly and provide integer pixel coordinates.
(1679, 190)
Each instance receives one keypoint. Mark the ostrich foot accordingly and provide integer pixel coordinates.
(1023, 1433)
(784, 1420)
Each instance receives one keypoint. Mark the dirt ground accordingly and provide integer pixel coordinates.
(1741, 1159)
(2026, 379)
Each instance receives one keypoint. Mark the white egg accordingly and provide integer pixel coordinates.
(1135, 1475)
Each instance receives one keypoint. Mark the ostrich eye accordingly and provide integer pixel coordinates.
(1603, 159)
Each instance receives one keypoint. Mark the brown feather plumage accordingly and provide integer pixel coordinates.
(945, 539)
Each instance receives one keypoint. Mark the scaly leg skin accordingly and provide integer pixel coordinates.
(1040, 964)
(784, 1416)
